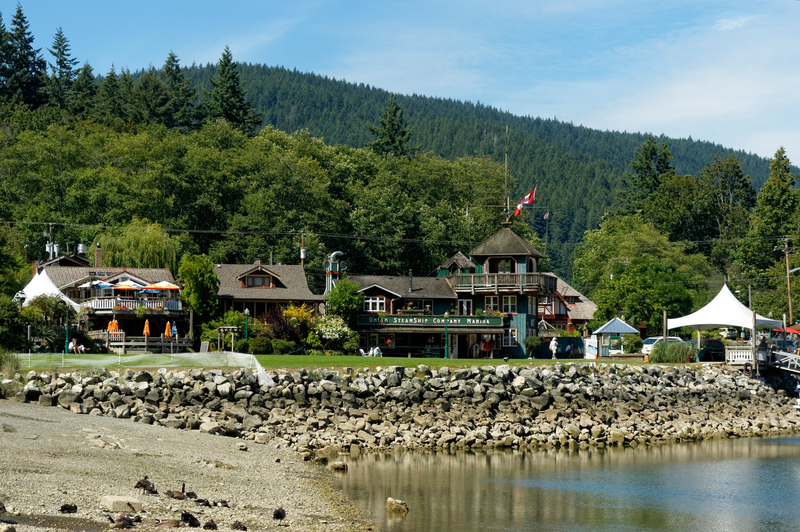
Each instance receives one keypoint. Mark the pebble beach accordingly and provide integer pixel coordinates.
(50, 457)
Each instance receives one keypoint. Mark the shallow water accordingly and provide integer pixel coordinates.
(731, 485)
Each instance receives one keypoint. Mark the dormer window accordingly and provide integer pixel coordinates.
(258, 281)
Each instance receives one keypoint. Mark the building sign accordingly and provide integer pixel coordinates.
(430, 321)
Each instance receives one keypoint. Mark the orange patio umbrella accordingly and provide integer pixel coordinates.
(168, 332)
(146, 327)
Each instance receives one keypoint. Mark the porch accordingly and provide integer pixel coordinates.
(536, 284)
(111, 303)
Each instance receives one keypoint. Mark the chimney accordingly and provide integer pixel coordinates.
(410, 281)
(258, 262)
(98, 256)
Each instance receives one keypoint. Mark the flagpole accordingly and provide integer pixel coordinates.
(508, 207)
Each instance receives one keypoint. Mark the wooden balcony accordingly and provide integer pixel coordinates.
(109, 304)
(532, 284)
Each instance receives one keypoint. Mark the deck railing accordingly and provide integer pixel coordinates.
(541, 283)
(109, 303)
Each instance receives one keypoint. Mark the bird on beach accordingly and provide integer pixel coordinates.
(190, 520)
(221, 503)
(168, 523)
(146, 486)
(124, 521)
(180, 495)
(279, 515)
(202, 502)
(68, 508)
(210, 525)
(238, 525)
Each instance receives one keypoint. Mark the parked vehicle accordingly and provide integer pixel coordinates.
(649, 343)
(711, 350)
(728, 334)
(788, 347)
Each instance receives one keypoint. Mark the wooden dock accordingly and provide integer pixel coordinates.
(120, 343)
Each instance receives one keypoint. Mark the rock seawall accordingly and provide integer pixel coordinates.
(574, 406)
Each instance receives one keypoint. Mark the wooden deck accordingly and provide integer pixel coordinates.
(120, 343)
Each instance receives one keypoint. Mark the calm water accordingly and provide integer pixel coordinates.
(723, 485)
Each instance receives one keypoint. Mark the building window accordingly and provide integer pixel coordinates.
(491, 303)
(258, 282)
(509, 304)
(465, 307)
(510, 337)
(374, 304)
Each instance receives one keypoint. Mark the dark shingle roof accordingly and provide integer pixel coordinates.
(504, 242)
(461, 262)
(583, 309)
(422, 287)
(63, 276)
(292, 283)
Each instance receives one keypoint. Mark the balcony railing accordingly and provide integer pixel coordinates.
(540, 284)
(109, 303)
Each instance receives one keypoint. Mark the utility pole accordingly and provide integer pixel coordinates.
(788, 278)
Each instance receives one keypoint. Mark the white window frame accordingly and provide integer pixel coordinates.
(491, 303)
(509, 304)
(462, 303)
(374, 304)
(510, 337)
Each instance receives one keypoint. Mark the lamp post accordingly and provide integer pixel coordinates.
(446, 338)
(246, 316)
(66, 327)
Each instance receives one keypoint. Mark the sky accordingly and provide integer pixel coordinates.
(725, 72)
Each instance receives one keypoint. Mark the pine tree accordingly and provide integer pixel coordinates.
(108, 102)
(776, 206)
(227, 98)
(62, 73)
(150, 99)
(181, 111)
(392, 132)
(29, 69)
(81, 95)
(6, 49)
(650, 167)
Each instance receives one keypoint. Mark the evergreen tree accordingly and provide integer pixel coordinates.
(6, 52)
(776, 206)
(227, 98)
(392, 132)
(108, 102)
(150, 99)
(26, 83)
(650, 167)
(62, 73)
(81, 95)
(181, 111)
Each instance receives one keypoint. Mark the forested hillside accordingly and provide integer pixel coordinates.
(576, 169)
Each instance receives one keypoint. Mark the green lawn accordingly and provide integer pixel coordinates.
(50, 361)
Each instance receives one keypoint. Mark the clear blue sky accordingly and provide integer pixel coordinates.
(720, 71)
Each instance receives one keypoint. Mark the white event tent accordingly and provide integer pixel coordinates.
(41, 284)
(724, 310)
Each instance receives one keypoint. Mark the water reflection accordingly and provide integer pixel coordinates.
(745, 485)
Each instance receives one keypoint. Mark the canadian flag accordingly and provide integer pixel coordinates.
(527, 200)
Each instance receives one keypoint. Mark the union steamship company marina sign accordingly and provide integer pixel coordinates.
(432, 321)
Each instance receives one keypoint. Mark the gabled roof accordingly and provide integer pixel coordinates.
(422, 287)
(258, 269)
(74, 259)
(460, 261)
(616, 326)
(583, 309)
(70, 276)
(291, 284)
(502, 243)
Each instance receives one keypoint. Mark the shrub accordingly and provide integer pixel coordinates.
(9, 366)
(632, 342)
(141, 312)
(673, 352)
(533, 344)
(242, 346)
(283, 347)
(261, 345)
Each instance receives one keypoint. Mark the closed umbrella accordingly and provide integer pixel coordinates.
(175, 329)
(146, 327)
(168, 332)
